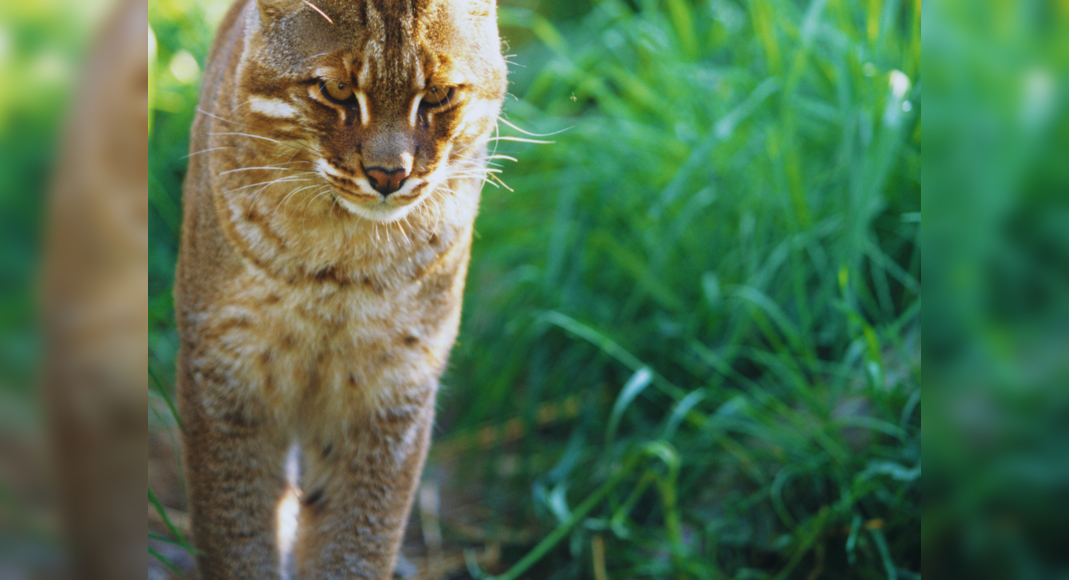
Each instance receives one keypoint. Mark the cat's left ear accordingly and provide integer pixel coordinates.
(271, 10)
(483, 8)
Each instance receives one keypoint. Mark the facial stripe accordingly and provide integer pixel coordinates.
(275, 108)
(414, 109)
(365, 113)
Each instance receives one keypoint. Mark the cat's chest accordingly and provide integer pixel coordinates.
(323, 344)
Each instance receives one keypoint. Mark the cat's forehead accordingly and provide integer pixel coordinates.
(375, 32)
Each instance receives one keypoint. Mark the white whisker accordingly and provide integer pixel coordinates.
(269, 167)
(266, 183)
(291, 194)
(276, 153)
(291, 146)
(503, 184)
(533, 134)
(520, 140)
(402, 230)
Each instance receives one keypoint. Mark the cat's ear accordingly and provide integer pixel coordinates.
(483, 8)
(271, 10)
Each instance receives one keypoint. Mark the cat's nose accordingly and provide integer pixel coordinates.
(386, 181)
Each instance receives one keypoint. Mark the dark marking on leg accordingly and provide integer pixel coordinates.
(327, 449)
(239, 419)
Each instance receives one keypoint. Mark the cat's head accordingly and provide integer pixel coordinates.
(386, 98)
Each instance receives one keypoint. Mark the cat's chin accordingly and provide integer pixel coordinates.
(379, 211)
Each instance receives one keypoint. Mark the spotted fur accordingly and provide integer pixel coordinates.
(313, 309)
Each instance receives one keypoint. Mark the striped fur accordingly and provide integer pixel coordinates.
(314, 310)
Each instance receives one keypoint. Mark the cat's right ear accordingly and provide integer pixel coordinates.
(271, 10)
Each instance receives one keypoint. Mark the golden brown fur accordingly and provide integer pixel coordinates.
(314, 309)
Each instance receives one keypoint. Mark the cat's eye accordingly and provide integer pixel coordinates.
(339, 92)
(437, 96)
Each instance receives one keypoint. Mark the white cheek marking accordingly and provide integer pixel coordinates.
(325, 168)
(365, 113)
(276, 108)
(364, 73)
(415, 108)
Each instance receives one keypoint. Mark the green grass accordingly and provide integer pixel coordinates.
(716, 260)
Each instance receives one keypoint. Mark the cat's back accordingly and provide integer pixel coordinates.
(207, 259)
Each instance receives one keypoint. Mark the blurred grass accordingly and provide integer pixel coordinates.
(718, 260)
(998, 288)
(40, 46)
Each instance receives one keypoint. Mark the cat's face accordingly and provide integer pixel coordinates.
(386, 98)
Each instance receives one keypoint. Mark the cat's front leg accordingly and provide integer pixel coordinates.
(358, 489)
(235, 458)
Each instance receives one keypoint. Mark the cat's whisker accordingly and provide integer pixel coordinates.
(210, 149)
(275, 168)
(239, 124)
(289, 145)
(316, 8)
(268, 183)
(480, 167)
(231, 121)
(291, 194)
(405, 219)
(307, 203)
(503, 184)
(261, 190)
(457, 154)
(481, 176)
(470, 169)
(453, 198)
(519, 140)
(251, 136)
(497, 133)
(402, 230)
(240, 105)
(304, 60)
(318, 194)
(499, 118)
